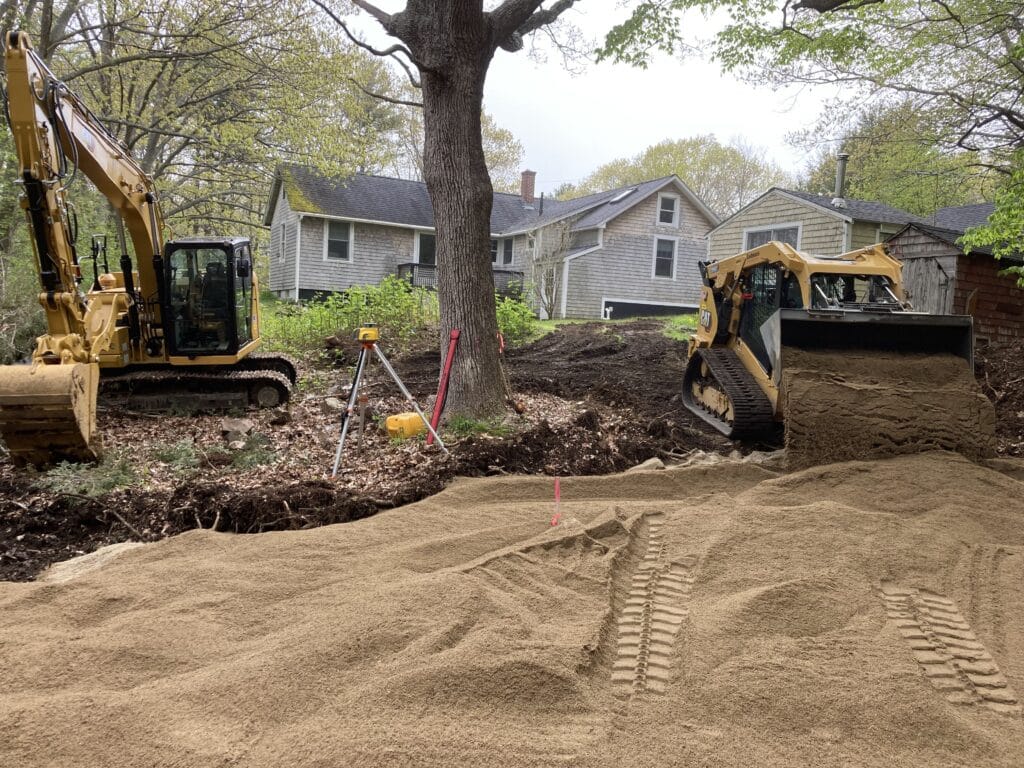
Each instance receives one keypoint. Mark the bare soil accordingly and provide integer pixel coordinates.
(597, 399)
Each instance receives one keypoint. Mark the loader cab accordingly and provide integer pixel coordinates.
(208, 302)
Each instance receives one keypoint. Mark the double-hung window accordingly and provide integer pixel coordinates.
(494, 251)
(664, 257)
(506, 253)
(339, 241)
(668, 210)
(788, 233)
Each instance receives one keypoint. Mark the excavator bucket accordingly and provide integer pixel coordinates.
(48, 412)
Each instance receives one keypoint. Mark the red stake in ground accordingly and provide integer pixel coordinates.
(442, 386)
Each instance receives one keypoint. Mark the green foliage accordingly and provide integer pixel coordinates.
(460, 427)
(681, 327)
(114, 471)
(726, 177)
(258, 450)
(1004, 232)
(516, 321)
(182, 455)
(894, 159)
(401, 311)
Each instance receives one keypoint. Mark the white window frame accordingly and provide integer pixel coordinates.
(496, 242)
(675, 212)
(786, 225)
(675, 257)
(511, 249)
(351, 241)
(416, 245)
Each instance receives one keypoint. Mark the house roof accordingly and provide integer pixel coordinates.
(963, 217)
(373, 198)
(855, 210)
(407, 203)
(859, 210)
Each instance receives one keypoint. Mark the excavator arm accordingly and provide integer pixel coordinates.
(48, 409)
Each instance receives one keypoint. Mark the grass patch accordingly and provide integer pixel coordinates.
(460, 427)
(680, 327)
(180, 456)
(113, 471)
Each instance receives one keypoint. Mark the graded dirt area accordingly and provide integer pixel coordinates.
(866, 613)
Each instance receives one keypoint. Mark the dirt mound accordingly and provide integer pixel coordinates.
(845, 405)
(862, 614)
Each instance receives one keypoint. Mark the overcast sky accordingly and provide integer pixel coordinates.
(570, 124)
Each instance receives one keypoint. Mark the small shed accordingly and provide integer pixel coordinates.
(939, 277)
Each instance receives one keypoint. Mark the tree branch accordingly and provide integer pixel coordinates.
(377, 13)
(382, 97)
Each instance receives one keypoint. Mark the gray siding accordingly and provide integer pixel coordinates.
(623, 267)
(282, 250)
(376, 252)
(820, 233)
(929, 270)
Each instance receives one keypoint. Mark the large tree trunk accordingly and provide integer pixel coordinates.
(461, 192)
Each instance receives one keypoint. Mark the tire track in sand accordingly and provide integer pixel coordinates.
(655, 609)
(955, 662)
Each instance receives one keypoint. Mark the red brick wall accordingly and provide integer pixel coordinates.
(1000, 309)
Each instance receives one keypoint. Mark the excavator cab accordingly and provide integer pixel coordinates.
(209, 307)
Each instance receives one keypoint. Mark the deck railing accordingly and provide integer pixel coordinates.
(507, 282)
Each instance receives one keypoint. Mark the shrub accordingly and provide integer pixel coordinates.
(400, 310)
(516, 320)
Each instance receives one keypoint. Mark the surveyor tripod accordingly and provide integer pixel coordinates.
(368, 336)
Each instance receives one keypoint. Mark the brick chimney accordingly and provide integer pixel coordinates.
(526, 186)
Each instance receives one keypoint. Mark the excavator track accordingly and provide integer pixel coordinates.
(194, 389)
(265, 361)
(718, 389)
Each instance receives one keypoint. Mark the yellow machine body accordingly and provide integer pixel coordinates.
(48, 408)
(759, 302)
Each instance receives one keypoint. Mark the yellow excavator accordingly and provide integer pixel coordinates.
(182, 319)
(759, 303)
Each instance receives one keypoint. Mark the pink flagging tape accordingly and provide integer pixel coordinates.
(558, 502)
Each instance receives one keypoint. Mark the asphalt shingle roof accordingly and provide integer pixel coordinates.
(379, 198)
(398, 201)
(861, 210)
(963, 217)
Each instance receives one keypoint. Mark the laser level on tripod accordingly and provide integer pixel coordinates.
(368, 335)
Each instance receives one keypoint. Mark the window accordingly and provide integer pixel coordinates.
(664, 258)
(494, 251)
(426, 252)
(668, 210)
(785, 233)
(506, 256)
(339, 241)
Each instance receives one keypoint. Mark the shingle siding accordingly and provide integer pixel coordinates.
(282, 250)
(622, 268)
(929, 270)
(376, 252)
(865, 233)
(820, 233)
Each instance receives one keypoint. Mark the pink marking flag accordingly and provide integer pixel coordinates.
(558, 502)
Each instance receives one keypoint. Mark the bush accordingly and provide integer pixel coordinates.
(516, 320)
(401, 311)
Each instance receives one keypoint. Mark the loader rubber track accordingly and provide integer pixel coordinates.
(752, 410)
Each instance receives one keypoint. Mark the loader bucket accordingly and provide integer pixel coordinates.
(900, 332)
(48, 412)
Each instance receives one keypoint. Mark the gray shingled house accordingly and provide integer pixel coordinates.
(941, 278)
(814, 223)
(623, 252)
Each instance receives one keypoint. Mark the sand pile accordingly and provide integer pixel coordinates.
(866, 614)
(855, 405)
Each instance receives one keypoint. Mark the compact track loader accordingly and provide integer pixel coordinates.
(180, 320)
(759, 303)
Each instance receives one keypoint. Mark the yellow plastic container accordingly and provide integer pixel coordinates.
(404, 425)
